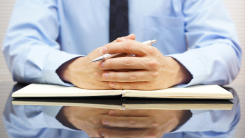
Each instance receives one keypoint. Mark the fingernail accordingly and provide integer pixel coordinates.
(106, 76)
(112, 84)
(105, 121)
(101, 133)
(102, 64)
(112, 112)
(104, 50)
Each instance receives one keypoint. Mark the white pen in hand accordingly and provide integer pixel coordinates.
(107, 56)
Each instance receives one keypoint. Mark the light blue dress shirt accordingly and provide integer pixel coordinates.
(44, 34)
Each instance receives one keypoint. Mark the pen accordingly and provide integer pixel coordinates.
(107, 56)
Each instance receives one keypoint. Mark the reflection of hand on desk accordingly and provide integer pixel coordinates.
(143, 123)
(132, 123)
(83, 118)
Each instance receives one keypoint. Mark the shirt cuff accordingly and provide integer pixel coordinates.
(193, 63)
(55, 60)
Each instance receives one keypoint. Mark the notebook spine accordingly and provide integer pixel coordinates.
(123, 93)
(123, 107)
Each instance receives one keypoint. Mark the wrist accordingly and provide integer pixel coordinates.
(64, 117)
(65, 70)
(183, 116)
(183, 76)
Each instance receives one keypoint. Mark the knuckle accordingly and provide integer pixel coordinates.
(108, 135)
(126, 136)
(151, 50)
(152, 134)
(155, 49)
(113, 76)
(153, 64)
(96, 74)
(118, 112)
(155, 75)
(133, 112)
(152, 112)
(128, 62)
(96, 110)
(96, 121)
(133, 86)
(141, 47)
(132, 76)
(96, 85)
(108, 63)
(155, 123)
(131, 123)
(127, 45)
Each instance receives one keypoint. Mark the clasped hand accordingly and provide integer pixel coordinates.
(141, 123)
(147, 70)
(122, 123)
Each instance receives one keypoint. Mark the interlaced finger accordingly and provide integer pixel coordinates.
(129, 122)
(128, 133)
(130, 76)
(127, 46)
(132, 113)
(132, 85)
(125, 63)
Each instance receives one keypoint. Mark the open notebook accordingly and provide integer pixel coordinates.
(193, 92)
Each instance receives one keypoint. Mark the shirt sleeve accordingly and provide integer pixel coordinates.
(31, 117)
(31, 49)
(214, 55)
(25, 118)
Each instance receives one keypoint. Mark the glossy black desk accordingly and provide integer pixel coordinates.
(22, 123)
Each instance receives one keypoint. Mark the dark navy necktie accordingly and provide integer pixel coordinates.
(119, 25)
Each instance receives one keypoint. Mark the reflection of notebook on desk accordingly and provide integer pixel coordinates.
(115, 102)
(193, 92)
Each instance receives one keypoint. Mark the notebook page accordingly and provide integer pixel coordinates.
(193, 92)
(46, 90)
